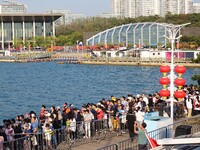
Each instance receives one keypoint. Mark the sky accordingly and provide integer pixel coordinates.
(86, 7)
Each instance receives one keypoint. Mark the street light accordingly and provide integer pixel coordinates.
(173, 31)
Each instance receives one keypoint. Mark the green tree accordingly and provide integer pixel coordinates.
(197, 60)
(196, 77)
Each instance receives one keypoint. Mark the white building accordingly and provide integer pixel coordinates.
(68, 16)
(12, 7)
(136, 8)
(196, 8)
(123, 8)
(108, 15)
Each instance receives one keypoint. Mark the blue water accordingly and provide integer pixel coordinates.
(26, 86)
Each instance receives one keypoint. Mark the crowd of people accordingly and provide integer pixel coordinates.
(114, 114)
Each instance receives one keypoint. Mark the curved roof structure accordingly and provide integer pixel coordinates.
(145, 34)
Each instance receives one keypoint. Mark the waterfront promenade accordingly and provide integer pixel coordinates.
(80, 58)
(122, 141)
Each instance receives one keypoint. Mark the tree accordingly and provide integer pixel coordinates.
(196, 60)
(196, 77)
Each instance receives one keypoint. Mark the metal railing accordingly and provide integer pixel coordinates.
(109, 147)
(36, 141)
(164, 132)
(135, 60)
(66, 137)
(193, 121)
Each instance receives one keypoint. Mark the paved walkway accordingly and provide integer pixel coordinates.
(98, 144)
(93, 145)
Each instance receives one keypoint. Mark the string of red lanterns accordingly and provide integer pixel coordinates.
(179, 82)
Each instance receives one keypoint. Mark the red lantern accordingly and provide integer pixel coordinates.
(180, 94)
(179, 82)
(164, 93)
(164, 69)
(164, 81)
(180, 70)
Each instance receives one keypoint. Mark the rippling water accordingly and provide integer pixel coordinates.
(26, 86)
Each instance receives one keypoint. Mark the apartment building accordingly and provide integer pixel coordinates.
(12, 7)
(136, 8)
(67, 17)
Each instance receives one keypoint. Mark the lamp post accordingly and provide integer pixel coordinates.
(173, 30)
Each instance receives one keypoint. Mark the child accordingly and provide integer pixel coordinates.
(48, 135)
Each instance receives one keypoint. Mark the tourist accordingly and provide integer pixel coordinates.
(72, 127)
(87, 122)
(139, 115)
(42, 111)
(9, 131)
(196, 105)
(111, 111)
(124, 102)
(66, 112)
(142, 139)
(3, 138)
(151, 103)
(48, 136)
(131, 118)
(59, 116)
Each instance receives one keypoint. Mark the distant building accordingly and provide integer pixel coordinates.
(108, 15)
(25, 26)
(12, 7)
(136, 8)
(67, 17)
(196, 8)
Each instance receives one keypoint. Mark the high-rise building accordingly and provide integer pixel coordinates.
(67, 17)
(136, 8)
(196, 8)
(11, 7)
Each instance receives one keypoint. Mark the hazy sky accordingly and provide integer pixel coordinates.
(86, 7)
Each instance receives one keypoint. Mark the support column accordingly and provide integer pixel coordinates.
(23, 31)
(2, 34)
(53, 28)
(13, 32)
(44, 29)
(34, 31)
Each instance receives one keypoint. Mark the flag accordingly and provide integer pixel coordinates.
(152, 142)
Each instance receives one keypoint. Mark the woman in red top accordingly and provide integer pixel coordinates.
(100, 113)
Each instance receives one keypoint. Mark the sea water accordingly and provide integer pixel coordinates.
(24, 87)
